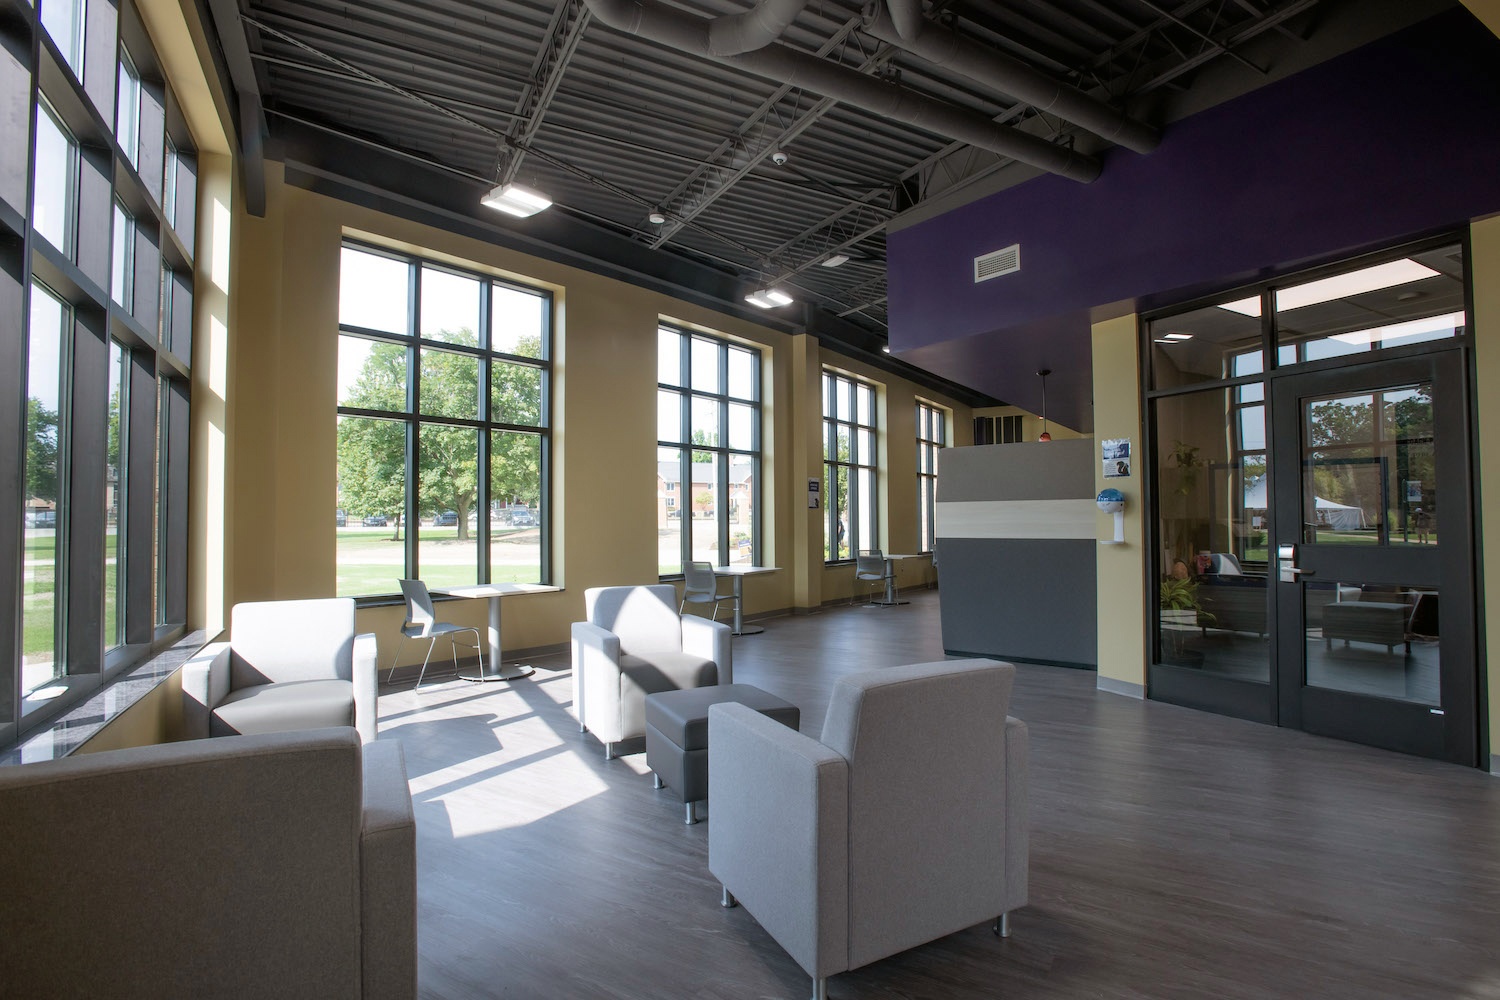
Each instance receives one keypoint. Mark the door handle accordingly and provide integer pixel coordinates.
(1286, 564)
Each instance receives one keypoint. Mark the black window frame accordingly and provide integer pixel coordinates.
(831, 422)
(413, 419)
(724, 455)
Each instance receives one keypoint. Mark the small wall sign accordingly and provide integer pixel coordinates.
(1115, 453)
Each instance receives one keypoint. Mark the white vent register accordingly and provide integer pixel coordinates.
(997, 263)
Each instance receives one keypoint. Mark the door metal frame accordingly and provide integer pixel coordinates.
(1450, 732)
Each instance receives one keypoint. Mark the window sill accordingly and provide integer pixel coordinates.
(74, 727)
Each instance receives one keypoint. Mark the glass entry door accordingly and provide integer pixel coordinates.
(1371, 556)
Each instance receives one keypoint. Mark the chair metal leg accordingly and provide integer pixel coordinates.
(728, 900)
(431, 643)
(690, 815)
(609, 751)
(397, 658)
(820, 989)
(1002, 925)
(656, 781)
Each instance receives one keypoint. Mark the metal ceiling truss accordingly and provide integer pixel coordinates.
(1173, 42)
(752, 143)
(569, 21)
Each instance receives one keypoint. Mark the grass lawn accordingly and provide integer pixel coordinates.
(370, 561)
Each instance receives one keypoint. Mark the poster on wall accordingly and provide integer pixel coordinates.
(1116, 455)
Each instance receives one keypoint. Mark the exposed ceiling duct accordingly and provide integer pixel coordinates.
(903, 26)
(731, 34)
(793, 67)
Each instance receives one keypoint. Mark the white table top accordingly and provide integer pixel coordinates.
(909, 555)
(744, 570)
(495, 590)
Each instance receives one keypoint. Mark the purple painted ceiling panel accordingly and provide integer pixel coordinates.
(1394, 140)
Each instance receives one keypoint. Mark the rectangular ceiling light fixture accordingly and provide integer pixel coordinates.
(1340, 286)
(768, 298)
(997, 263)
(513, 199)
(836, 260)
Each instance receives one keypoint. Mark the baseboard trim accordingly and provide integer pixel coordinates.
(1123, 688)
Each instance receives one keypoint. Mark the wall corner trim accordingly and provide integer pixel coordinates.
(1124, 688)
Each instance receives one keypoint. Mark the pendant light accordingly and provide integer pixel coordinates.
(1044, 372)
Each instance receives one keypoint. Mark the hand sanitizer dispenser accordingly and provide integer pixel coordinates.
(1112, 501)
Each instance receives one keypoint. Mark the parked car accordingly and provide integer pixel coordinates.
(340, 519)
(374, 521)
(445, 519)
(521, 517)
(41, 519)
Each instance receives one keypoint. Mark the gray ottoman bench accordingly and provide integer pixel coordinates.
(677, 734)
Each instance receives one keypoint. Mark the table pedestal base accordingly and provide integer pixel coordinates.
(748, 630)
(513, 672)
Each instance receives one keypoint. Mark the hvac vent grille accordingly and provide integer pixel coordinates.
(997, 263)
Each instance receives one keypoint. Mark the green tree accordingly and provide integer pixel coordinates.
(41, 450)
(372, 451)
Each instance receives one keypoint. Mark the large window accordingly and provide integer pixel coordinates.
(128, 109)
(932, 435)
(849, 467)
(44, 561)
(54, 196)
(707, 451)
(444, 382)
(98, 530)
(64, 21)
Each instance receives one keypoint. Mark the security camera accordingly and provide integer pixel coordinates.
(779, 157)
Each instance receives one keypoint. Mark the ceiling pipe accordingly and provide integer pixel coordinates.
(731, 34)
(795, 68)
(900, 23)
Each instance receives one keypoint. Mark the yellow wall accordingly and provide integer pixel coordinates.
(1484, 245)
(1122, 599)
(282, 387)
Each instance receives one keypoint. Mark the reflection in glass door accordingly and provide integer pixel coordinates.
(1372, 563)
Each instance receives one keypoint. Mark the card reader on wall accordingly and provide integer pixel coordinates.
(1112, 501)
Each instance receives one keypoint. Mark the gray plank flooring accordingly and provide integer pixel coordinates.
(1174, 854)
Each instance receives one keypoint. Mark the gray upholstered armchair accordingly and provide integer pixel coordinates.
(635, 644)
(287, 665)
(281, 865)
(906, 823)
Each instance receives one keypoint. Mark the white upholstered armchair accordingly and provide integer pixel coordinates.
(287, 665)
(634, 644)
(907, 822)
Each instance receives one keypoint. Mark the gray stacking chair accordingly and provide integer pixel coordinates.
(871, 568)
(905, 822)
(700, 586)
(422, 623)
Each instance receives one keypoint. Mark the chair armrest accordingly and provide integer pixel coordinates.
(205, 683)
(712, 641)
(1017, 813)
(366, 702)
(778, 832)
(388, 876)
(596, 654)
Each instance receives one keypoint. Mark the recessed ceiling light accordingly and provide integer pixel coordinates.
(1443, 325)
(1178, 336)
(514, 199)
(1340, 286)
(836, 260)
(656, 217)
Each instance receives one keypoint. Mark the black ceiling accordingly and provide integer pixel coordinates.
(449, 95)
